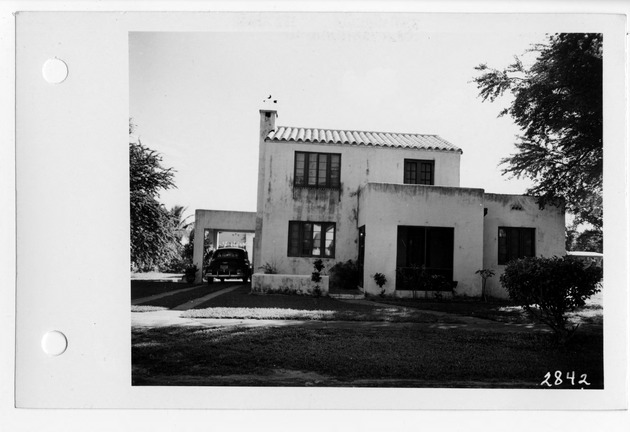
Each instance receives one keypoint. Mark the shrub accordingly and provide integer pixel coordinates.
(416, 278)
(485, 275)
(316, 277)
(190, 272)
(269, 268)
(549, 288)
(317, 291)
(345, 275)
(380, 280)
(318, 266)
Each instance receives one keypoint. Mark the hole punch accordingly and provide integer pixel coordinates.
(55, 71)
(54, 343)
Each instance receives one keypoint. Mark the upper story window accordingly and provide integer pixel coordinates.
(317, 169)
(311, 239)
(419, 172)
(516, 243)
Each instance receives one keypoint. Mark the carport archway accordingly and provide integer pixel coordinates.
(217, 221)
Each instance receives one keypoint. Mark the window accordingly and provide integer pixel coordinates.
(312, 239)
(428, 248)
(516, 243)
(419, 172)
(317, 170)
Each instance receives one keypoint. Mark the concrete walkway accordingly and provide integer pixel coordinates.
(159, 296)
(446, 321)
(166, 318)
(196, 302)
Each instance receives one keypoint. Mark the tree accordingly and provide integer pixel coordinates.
(153, 233)
(558, 106)
(183, 253)
(182, 225)
(588, 240)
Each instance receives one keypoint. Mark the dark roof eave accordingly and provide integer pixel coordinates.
(352, 144)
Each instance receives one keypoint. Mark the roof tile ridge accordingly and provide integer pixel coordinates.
(358, 131)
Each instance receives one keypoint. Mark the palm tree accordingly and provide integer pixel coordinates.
(182, 226)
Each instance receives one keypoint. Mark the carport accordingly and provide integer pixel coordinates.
(217, 221)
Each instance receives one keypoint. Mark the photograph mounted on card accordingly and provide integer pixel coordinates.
(320, 211)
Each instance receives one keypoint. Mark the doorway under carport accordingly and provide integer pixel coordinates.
(214, 222)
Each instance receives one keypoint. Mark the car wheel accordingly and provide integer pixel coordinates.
(210, 280)
(222, 280)
(245, 279)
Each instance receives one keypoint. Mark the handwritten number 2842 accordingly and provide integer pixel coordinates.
(557, 379)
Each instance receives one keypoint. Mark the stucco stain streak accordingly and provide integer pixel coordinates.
(270, 179)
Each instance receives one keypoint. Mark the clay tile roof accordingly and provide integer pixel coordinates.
(345, 137)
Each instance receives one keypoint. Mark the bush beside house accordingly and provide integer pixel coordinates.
(549, 288)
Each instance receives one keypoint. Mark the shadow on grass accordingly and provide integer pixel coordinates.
(354, 356)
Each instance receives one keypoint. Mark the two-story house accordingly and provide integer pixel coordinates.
(392, 201)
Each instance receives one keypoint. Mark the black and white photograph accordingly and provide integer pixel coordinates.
(316, 217)
(367, 209)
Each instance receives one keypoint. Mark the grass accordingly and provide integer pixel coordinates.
(146, 308)
(495, 310)
(144, 288)
(368, 314)
(154, 275)
(241, 298)
(390, 356)
(174, 300)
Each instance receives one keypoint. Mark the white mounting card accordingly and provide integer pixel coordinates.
(72, 163)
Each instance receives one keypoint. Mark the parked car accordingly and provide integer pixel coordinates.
(228, 263)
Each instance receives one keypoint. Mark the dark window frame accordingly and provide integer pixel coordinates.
(517, 235)
(298, 242)
(415, 172)
(314, 179)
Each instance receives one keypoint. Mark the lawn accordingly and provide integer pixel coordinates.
(174, 300)
(144, 288)
(496, 310)
(241, 298)
(243, 305)
(395, 356)
(336, 313)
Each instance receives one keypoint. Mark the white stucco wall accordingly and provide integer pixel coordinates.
(279, 202)
(281, 283)
(549, 235)
(383, 207)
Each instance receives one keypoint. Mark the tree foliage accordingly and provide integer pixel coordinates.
(587, 241)
(153, 227)
(549, 288)
(557, 103)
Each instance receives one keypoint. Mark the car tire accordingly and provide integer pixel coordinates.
(245, 279)
(222, 280)
(210, 280)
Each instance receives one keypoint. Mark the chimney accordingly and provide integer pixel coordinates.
(267, 122)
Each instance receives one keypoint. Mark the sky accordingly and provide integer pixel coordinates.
(195, 97)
